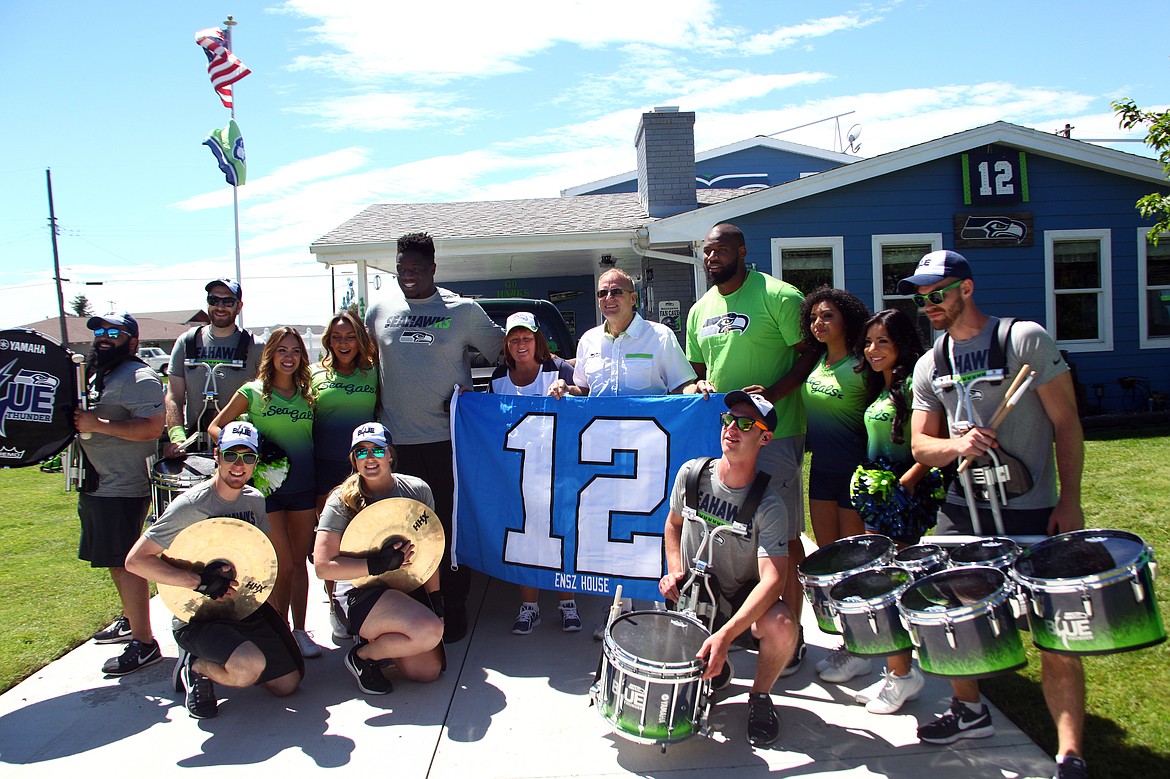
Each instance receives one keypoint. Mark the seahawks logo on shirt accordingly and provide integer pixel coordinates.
(730, 322)
(416, 337)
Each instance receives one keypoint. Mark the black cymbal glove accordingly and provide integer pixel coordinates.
(215, 578)
(388, 558)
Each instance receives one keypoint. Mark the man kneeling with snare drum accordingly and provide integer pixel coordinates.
(751, 569)
(255, 650)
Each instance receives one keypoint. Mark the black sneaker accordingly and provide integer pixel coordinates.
(199, 698)
(454, 623)
(763, 722)
(1071, 767)
(117, 632)
(136, 655)
(797, 657)
(955, 723)
(368, 673)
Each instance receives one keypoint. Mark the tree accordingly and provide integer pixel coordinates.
(1157, 124)
(80, 306)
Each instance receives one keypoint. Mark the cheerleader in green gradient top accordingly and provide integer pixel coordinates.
(279, 404)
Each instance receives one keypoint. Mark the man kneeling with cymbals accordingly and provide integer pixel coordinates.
(225, 630)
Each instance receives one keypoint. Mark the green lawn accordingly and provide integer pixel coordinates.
(52, 601)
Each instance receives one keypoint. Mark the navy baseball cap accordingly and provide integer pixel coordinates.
(122, 319)
(234, 286)
(933, 268)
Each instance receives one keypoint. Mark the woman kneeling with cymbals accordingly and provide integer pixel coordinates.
(387, 584)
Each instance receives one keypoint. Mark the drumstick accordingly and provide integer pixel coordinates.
(82, 395)
(615, 608)
(1009, 403)
(1000, 413)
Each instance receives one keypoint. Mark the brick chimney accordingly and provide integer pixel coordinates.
(665, 141)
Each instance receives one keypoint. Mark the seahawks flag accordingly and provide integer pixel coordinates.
(228, 147)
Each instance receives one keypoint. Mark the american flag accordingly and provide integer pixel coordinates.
(223, 67)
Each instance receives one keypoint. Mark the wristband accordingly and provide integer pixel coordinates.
(177, 434)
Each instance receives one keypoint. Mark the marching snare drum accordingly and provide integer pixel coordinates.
(169, 478)
(922, 559)
(1091, 592)
(962, 622)
(649, 688)
(38, 392)
(867, 611)
(996, 551)
(832, 563)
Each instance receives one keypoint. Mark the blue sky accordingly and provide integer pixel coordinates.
(351, 103)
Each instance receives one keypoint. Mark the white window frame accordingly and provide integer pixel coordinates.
(1104, 238)
(1144, 339)
(835, 243)
(894, 239)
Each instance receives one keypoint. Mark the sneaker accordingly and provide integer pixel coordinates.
(306, 644)
(117, 632)
(136, 655)
(199, 698)
(570, 619)
(797, 657)
(526, 620)
(955, 723)
(1071, 767)
(763, 722)
(723, 679)
(896, 691)
(368, 673)
(868, 693)
(454, 622)
(845, 666)
(827, 661)
(340, 631)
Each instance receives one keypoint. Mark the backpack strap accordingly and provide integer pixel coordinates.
(691, 499)
(996, 354)
(747, 511)
(191, 343)
(243, 345)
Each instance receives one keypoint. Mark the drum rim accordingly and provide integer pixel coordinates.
(1008, 558)
(868, 538)
(939, 551)
(866, 604)
(1141, 561)
(962, 613)
(613, 651)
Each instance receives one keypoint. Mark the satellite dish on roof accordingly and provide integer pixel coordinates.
(854, 133)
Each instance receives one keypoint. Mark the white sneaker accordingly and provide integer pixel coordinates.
(867, 694)
(827, 661)
(844, 667)
(340, 631)
(896, 691)
(306, 644)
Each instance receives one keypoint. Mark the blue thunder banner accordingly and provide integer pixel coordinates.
(572, 494)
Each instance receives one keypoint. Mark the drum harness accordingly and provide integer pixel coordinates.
(210, 383)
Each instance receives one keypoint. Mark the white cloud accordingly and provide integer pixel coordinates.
(787, 37)
(377, 112)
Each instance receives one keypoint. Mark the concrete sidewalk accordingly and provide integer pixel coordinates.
(508, 706)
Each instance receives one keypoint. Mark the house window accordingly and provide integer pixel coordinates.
(1078, 272)
(808, 263)
(895, 257)
(1154, 288)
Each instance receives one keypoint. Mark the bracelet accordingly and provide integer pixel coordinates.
(177, 434)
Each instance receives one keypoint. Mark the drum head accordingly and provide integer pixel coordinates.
(985, 550)
(954, 588)
(918, 553)
(846, 554)
(184, 472)
(658, 636)
(1080, 554)
(871, 584)
(38, 392)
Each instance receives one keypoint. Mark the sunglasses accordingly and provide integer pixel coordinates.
(214, 300)
(743, 423)
(936, 297)
(248, 458)
(614, 292)
(108, 332)
(363, 452)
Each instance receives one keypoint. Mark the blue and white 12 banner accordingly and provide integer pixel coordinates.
(572, 494)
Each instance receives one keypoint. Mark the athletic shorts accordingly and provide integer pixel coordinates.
(354, 605)
(330, 473)
(826, 485)
(954, 519)
(217, 639)
(280, 500)
(782, 459)
(109, 527)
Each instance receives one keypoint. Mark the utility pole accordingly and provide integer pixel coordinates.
(56, 262)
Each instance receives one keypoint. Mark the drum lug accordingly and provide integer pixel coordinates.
(949, 629)
(1139, 590)
(994, 620)
(1086, 602)
(871, 615)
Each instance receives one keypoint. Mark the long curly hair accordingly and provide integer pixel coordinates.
(367, 351)
(853, 312)
(267, 370)
(904, 335)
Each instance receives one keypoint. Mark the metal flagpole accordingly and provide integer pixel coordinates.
(228, 25)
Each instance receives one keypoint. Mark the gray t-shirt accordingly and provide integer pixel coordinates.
(733, 559)
(131, 391)
(215, 355)
(203, 502)
(423, 351)
(1026, 433)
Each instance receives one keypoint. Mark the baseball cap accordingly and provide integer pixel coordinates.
(371, 433)
(239, 434)
(759, 401)
(933, 268)
(234, 286)
(122, 319)
(525, 319)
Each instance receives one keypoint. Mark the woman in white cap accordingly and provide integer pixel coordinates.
(530, 368)
(388, 625)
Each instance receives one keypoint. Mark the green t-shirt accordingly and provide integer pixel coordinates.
(750, 337)
(879, 421)
(288, 422)
(343, 403)
(834, 403)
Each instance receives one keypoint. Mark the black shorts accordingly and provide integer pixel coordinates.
(109, 527)
(353, 606)
(303, 500)
(956, 520)
(330, 473)
(830, 485)
(217, 639)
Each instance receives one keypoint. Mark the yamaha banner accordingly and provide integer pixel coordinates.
(572, 494)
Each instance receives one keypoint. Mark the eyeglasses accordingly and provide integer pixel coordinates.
(108, 332)
(936, 297)
(215, 300)
(248, 458)
(362, 453)
(743, 423)
(613, 292)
